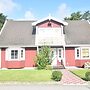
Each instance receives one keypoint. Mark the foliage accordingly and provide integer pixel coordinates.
(56, 75)
(87, 75)
(80, 73)
(43, 57)
(25, 75)
(48, 67)
(2, 20)
(79, 16)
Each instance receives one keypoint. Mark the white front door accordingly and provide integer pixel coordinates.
(57, 54)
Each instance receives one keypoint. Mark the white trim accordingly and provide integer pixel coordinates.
(49, 18)
(64, 56)
(8, 54)
(78, 45)
(80, 52)
(3, 26)
(76, 53)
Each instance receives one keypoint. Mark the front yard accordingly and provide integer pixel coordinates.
(80, 73)
(25, 75)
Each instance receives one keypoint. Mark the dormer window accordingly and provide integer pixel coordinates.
(49, 24)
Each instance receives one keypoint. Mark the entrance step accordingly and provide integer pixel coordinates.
(59, 67)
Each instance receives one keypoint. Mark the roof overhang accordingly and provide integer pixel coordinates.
(49, 18)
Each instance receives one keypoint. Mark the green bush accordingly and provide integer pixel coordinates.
(43, 57)
(87, 75)
(56, 75)
(48, 67)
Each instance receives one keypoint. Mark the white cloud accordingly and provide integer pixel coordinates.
(63, 11)
(7, 6)
(29, 15)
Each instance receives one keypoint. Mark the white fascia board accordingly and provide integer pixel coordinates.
(49, 18)
(78, 45)
(3, 26)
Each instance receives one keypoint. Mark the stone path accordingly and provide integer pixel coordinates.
(69, 78)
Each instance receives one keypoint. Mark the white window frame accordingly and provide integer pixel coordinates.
(61, 53)
(80, 53)
(8, 54)
(76, 53)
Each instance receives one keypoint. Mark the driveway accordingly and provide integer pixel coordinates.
(43, 87)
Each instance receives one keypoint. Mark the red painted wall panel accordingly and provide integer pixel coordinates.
(80, 63)
(30, 54)
(45, 24)
(70, 57)
(30, 57)
(3, 63)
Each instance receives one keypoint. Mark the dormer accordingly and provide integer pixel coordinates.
(48, 29)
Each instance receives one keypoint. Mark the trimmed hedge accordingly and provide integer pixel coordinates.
(87, 75)
(56, 75)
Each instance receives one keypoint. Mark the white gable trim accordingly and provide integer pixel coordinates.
(3, 26)
(49, 18)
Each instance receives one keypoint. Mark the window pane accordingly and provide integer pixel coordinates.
(60, 53)
(85, 53)
(78, 53)
(21, 53)
(14, 54)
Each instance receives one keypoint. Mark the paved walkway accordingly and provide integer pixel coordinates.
(69, 78)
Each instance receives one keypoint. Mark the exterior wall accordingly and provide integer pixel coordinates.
(45, 24)
(30, 54)
(80, 63)
(70, 57)
(30, 57)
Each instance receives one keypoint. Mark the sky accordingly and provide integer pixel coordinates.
(38, 9)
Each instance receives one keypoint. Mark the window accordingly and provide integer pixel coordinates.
(85, 53)
(15, 54)
(82, 53)
(77, 53)
(60, 53)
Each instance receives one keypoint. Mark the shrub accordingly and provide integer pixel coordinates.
(43, 58)
(56, 75)
(87, 75)
(48, 67)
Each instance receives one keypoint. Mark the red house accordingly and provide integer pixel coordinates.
(20, 41)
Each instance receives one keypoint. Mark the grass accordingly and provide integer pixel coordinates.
(25, 75)
(80, 73)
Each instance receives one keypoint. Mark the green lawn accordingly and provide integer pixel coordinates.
(25, 75)
(80, 72)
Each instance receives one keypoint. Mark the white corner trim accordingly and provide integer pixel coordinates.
(3, 26)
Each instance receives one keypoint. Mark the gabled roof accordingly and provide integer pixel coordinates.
(17, 33)
(77, 32)
(49, 18)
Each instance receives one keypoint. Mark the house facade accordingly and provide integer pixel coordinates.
(21, 40)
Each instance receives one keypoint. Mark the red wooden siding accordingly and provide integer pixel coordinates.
(80, 63)
(30, 57)
(30, 54)
(70, 57)
(45, 24)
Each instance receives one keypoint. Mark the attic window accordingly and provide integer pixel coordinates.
(49, 24)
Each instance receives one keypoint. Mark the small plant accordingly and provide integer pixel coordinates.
(87, 75)
(56, 75)
(48, 67)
